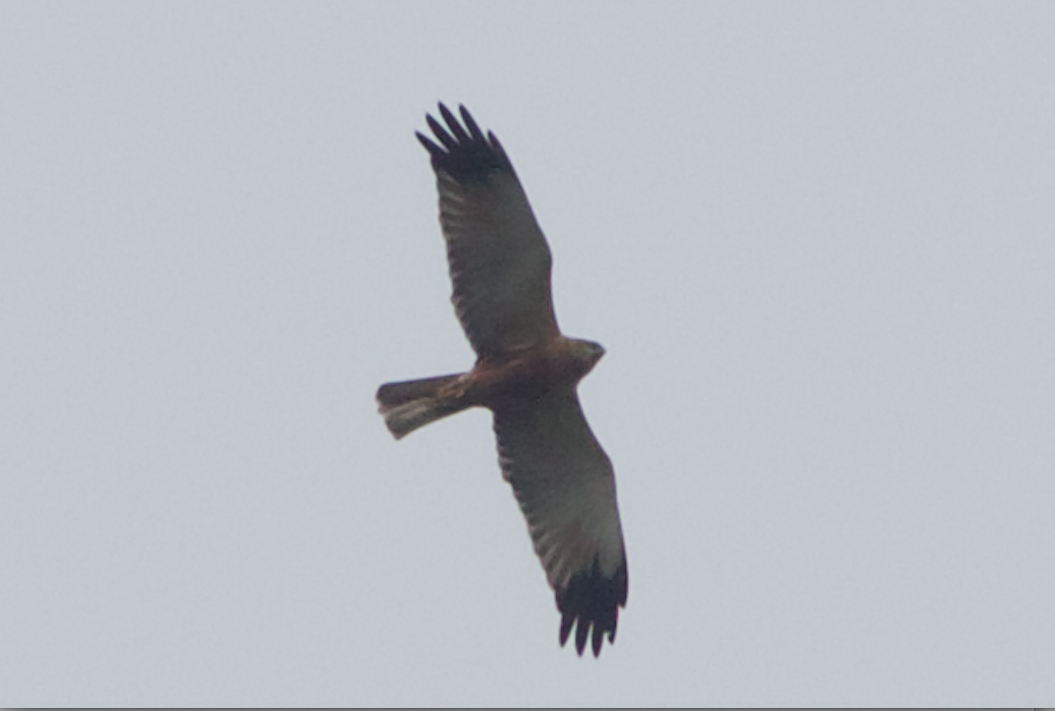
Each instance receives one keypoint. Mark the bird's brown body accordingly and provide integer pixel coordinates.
(560, 363)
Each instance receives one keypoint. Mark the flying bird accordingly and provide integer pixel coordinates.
(526, 373)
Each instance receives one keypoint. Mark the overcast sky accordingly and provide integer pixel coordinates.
(817, 240)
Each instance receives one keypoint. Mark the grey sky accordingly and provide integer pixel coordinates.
(817, 240)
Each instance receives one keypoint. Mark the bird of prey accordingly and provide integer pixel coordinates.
(526, 373)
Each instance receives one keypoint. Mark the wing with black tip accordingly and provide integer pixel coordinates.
(565, 486)
(499, 260)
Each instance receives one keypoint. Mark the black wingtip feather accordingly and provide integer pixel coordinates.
(431, 147)
(591, 602)
(467, 154)
(470, 123)
(437, 129)
(453, 125)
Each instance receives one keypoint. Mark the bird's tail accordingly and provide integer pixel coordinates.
(412, 404)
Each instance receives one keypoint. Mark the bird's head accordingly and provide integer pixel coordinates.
(587, 353)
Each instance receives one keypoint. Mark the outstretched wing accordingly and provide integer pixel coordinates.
(499, 259)
(565, 485)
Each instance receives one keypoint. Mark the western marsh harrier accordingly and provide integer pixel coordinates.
(526, 373)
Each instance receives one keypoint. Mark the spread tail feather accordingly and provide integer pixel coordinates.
(412, 404)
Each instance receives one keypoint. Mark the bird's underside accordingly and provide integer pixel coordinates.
(526, 373)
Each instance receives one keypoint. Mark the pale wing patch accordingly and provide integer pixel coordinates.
(499, 262)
